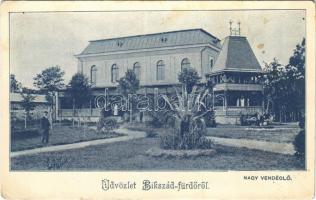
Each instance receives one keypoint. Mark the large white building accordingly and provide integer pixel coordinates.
(157, 59)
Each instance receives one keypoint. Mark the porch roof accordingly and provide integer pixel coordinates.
(236, 55)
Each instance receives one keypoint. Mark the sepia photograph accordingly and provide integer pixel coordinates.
(157, 90)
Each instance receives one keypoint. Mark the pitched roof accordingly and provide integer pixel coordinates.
(17, 97)
(236, 55)
(164, 39)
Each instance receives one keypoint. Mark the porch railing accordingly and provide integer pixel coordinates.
(235, 110)
(84, 112)
(238, 87)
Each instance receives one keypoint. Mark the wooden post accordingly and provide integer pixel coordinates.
(225, 102)
(130, 112)
(90, 107)
(51, 118)
(56, 106)
(25, 120)
(84, 128)
(79, 115)
(73, 112)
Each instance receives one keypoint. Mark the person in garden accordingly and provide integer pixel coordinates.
(45, 125)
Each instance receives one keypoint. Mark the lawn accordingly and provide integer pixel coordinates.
(282, 134)
(130, 155)
(61, 134)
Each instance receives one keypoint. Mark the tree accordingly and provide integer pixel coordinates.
(270, 84)
(296, 73)
(30, 90)
(49, 81)
(15, 86)
(80, 90)
(128, 86)
(189, 77)
(27, 104)
(284, 86)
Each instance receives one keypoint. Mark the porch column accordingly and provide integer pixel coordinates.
(90, 104)
(262, 100)
(225, 99)
(225, 102)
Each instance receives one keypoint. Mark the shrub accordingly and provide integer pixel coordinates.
(170, 140)
(189, 127)
(243, 120)
(301, 123)
(173, 141)
(299, 141)
(106, 125)
(209, 118)
(194, 138)
(299, 144)
(160, 119)
(170, 121)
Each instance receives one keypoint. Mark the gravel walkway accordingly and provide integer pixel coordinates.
(275, 147)
(130, 135)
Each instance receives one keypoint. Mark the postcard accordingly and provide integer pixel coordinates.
(157, 100)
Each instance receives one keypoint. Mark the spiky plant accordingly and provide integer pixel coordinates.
(188, 110)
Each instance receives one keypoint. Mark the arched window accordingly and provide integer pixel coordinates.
(160, 70)
(93, 75)
(114, 73)
(136, 69)
(185, 63)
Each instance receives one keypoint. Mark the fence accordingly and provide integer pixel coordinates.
(20, 120)
(235, 111)
(84, 112)
(79, 115)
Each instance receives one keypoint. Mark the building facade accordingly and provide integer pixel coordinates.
(156, 59)
(235, 79)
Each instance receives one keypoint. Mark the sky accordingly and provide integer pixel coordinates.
(41, 40)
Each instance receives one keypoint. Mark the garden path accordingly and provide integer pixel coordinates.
(275, 147)
(130, 135)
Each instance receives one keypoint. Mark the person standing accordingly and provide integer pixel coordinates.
(45, 125)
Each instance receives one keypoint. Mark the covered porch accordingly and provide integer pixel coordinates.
(233, 100)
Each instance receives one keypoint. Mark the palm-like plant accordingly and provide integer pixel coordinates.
(188, 104)
(188, 111)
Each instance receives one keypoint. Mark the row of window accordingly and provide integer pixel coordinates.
(160, 70)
